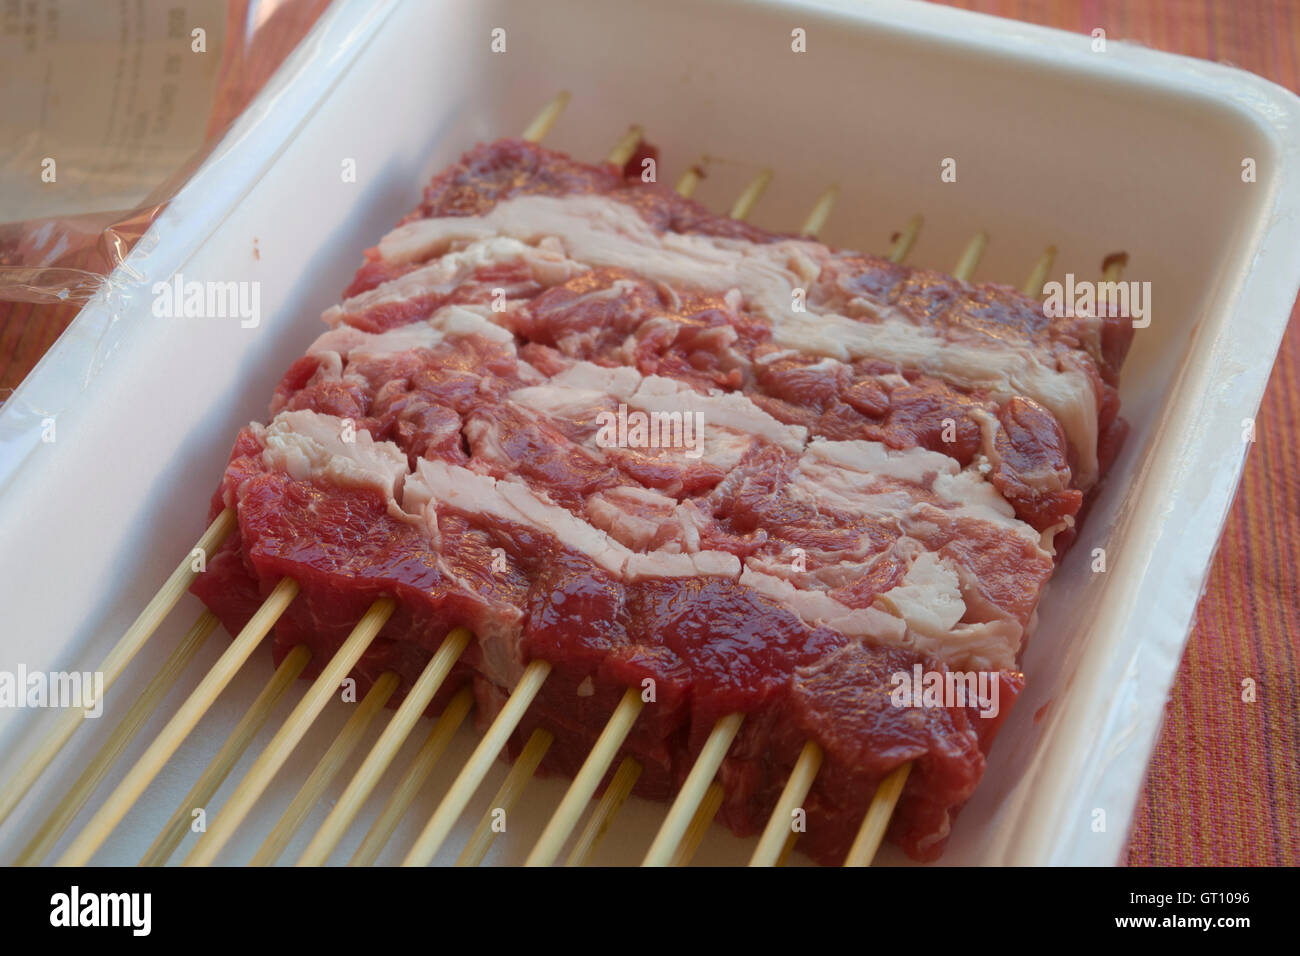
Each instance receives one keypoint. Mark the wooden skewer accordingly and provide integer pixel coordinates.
(1034, 284)
(690, 179)
(385, 749)
(216, 772)
(615, 795)
(330, 763)
(620, 786)
(286, 739)
(699, 825)
(791, 838)
(872, 831)
(902, 246)
(626, 146)
(777, 834)
(1114, 268)
(512, 788)
(48, 835)
(587, 780)
(694, 798)
(971, 257)
(816, 220)
(542, 123)
(778, 839)
(404, 793)
(471, 776)
(123, 651)
(748, 199)
(693, 791)
(580, 792)
(179, 727)
(625, 777)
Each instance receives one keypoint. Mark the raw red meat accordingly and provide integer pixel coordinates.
(847, 517)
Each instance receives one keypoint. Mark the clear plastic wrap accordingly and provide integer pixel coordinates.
(106, 110)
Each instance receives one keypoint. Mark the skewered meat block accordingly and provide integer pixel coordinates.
(662, 449)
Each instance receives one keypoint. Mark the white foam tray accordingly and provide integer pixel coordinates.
(1055, 143)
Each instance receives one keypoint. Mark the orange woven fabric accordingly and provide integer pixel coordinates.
(1224, 783)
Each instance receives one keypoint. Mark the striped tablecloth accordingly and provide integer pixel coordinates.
(1223, 786)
